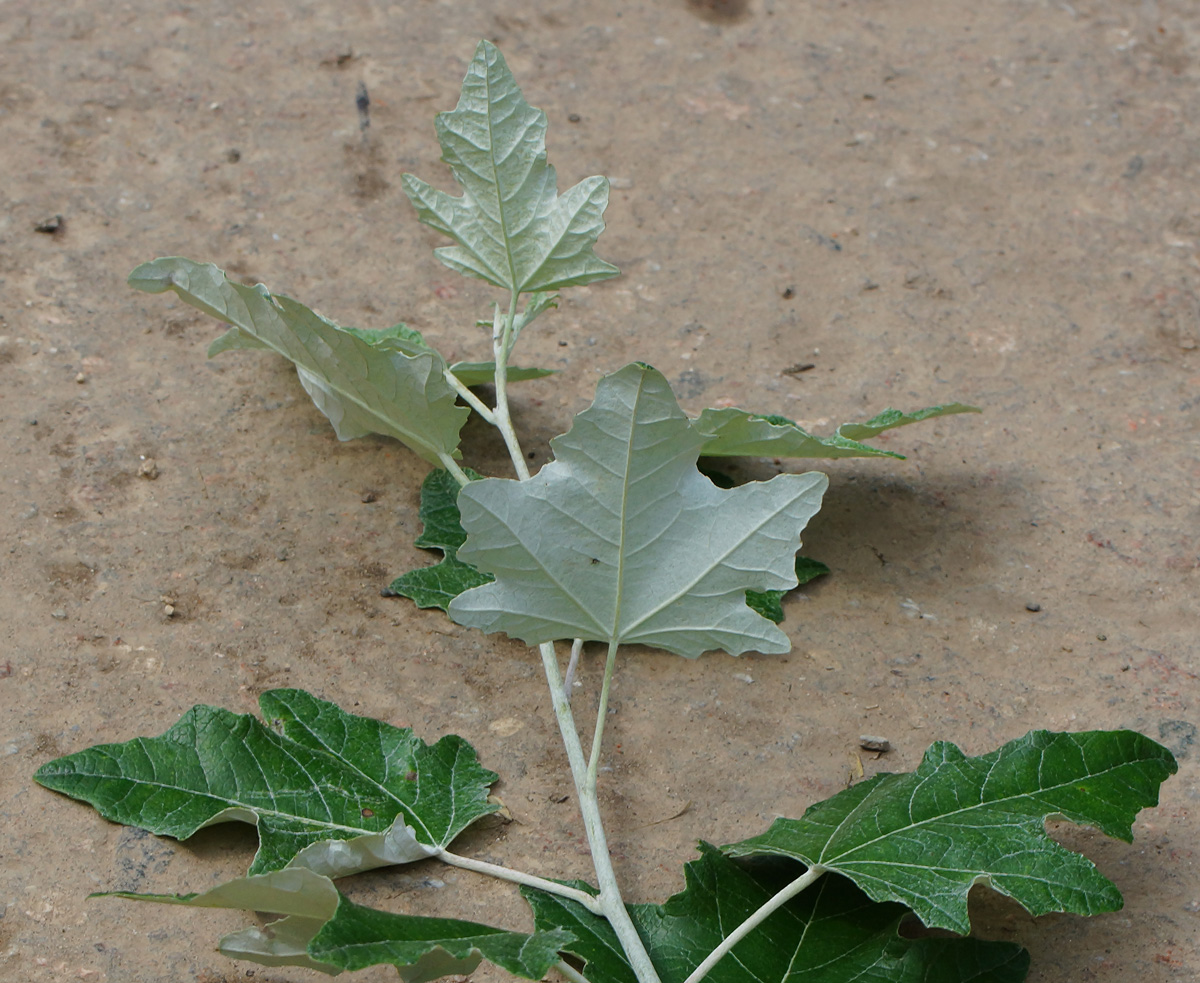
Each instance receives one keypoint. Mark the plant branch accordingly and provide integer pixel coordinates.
(768, 908)
(609, 901)
(612, 905)
(501, 343)
(520, 877)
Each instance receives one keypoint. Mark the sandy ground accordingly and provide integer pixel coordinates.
(928, 201)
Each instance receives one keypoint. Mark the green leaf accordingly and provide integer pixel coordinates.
(323, 930)
(620, 539)
(769, 603)
(481, 373)
(363, 387)
(437, 586)
(925, 837)
(327, 790)
(430, 948)
(889, 419)
(512, 228)
(831, 933)
(737, 433)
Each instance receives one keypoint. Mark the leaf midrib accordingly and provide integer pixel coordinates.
(615, 633)
(231, 803)
(508, 255)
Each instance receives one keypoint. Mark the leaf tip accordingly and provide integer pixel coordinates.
(151, 278)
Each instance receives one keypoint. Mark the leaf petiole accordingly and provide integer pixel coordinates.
(458, 473)
(477, 404)
(610, 665)
(570, 972)
(572, 665)
(768, 908)
(589, 901)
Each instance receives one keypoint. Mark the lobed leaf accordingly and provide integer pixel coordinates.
(738, 433)
(437, 586)
(924, 838)
(391, 385)
(831, 933)
(512, 228)
(620, 539)
(327, 789)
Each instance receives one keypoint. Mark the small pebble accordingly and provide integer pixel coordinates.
(58, 614)
(743, 677)
(1032, 606)
(81, 378)
(367, 497)
(869, 743)
(148, 469)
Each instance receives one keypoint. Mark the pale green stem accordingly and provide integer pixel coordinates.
(451, 465)
(520, 877)
(572, 665)
(612, 906)
(756, 919)
(477, 404)
(501, 335)
(570, 972)
(598, 735)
